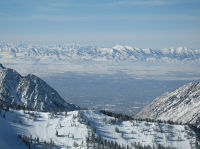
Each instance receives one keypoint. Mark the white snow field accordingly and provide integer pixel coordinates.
(8, 136)
(71, 129)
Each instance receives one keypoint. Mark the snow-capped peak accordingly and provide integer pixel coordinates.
(119, 47)
(29, 91)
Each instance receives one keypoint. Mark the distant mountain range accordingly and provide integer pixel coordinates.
(75, 52)
(181, 105)
(29, 91)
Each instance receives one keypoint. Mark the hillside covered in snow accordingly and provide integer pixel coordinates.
(181, 105)
(88, 130)
(29, 91)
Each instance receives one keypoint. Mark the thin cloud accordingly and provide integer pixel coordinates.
(53, 6)
(59, 5)
(140, 2)
(147, 2)
(107, 18)
(60, 18)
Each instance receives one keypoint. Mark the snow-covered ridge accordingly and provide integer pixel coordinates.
(181, 105)
(68, 52)
(29, 91)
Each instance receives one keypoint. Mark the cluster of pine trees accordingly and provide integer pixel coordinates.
(124, 117)
(196, 129)
(96, 142)
(121, 117)
(36, 142)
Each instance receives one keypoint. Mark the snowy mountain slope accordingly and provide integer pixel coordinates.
(75, 130)
(181, 105)
(74, 52)
(145, 133)
(8, 137)
(29, 91)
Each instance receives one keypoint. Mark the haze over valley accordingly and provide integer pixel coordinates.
(106, 78)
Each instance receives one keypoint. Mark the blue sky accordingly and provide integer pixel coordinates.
(139, 23)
